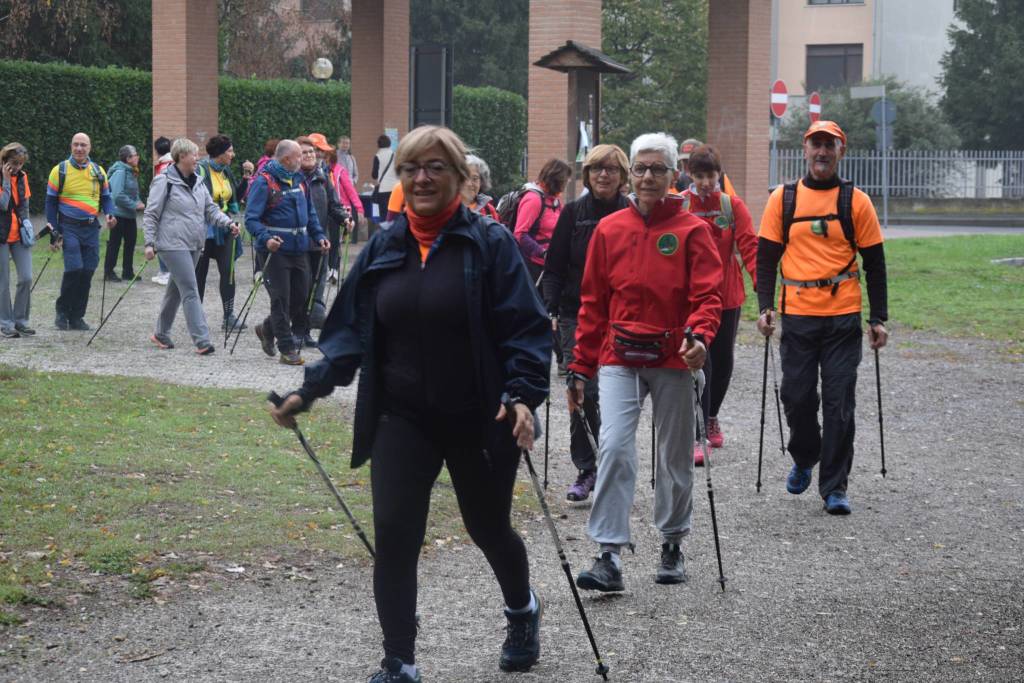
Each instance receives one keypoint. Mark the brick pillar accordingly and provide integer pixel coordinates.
(551, 24)
(739, 73)
(380, 75)
(185, 69)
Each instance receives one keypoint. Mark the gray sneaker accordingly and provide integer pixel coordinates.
(670, 567)
(604, 576)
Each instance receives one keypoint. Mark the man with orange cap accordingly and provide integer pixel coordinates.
(816, 227)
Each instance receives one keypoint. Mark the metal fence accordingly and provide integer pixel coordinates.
(924, 174)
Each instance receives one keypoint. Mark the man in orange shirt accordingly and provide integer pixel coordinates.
(816, 227)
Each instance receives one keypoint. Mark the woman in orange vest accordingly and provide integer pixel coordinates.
(15, 242)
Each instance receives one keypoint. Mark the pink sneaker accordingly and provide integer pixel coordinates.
(698, 456)
(715, 436)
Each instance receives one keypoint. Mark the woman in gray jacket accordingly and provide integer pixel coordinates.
(174, 223)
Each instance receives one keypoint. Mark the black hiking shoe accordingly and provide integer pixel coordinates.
(391, 672)
(670, 568)
(603, 576)
(266, 340)
(24, 330)
(521, 648)
(61, 322)
(111, 276)
(80, 325)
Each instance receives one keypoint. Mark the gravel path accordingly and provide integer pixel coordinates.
(923, 582)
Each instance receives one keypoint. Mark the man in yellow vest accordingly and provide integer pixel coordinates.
(76, 191)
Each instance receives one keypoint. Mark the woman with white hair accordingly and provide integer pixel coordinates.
(474, 187)
(124, 192)
(174, 224)
(652, 272)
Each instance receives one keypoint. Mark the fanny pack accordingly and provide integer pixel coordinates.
(640, 345)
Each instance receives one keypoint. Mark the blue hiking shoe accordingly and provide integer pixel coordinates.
(836, 503)
(799, 479)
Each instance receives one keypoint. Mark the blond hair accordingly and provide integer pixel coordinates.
(601, 152)
(181, 147)
(424, 137)
(13, 150)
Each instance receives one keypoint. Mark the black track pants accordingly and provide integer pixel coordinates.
(833, 344)
(406, 461)
(722, 352)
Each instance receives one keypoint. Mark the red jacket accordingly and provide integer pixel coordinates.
(656, 276)
(741, 238)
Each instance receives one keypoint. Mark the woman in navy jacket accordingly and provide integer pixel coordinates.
(441, 319)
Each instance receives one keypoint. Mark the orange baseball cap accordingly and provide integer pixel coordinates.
(320, 142)
(828, 127)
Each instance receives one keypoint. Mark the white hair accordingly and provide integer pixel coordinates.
(482, 168)
(284, 148)
(656, 142)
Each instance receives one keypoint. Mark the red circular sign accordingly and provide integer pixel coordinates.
(814, 106)
(780, 99)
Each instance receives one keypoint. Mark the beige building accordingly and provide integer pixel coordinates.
(825, 43)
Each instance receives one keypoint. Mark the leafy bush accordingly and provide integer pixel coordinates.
(493, 123)
(46, 104)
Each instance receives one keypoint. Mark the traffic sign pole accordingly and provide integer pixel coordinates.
(779, 100)
(885, 167)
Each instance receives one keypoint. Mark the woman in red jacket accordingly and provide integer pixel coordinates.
(733, 232)
(651, 272)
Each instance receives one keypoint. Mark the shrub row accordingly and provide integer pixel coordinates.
(48, 103)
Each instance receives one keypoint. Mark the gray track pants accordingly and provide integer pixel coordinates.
(623, 391)
(183, 290)
(22, 257)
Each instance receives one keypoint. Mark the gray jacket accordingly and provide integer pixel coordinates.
(176, 217)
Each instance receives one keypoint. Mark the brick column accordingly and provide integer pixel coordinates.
(739, 72)
(380, 75)
(185, 69)
(551, 24)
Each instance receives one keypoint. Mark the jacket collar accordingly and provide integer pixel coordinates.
(393, 252)
(667, 208)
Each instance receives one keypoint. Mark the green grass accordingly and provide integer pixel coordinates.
(107, 474)
(948, 286)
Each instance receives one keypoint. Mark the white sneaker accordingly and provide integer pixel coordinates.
(332, 276)
(161, 279)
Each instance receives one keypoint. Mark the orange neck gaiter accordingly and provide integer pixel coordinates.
(426, 228)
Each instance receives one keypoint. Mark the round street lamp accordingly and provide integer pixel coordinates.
(322, 69)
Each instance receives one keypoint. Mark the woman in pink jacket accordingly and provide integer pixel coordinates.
(538, 212)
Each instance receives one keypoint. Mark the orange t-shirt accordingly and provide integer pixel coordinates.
(396, 203)
(15, 234)
(816, 257)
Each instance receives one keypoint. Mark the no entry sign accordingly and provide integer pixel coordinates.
(814, 106)
(780, 98)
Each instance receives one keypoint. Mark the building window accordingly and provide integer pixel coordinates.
(829, 66)
(835, 2)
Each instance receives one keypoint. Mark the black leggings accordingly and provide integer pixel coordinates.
(126, 230)
(406, 461)
(221, 253)
(723, 352)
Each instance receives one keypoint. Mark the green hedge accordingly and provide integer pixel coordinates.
(493, 123)
(46, 104)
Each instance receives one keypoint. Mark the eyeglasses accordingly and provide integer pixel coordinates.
(608, 170)
(433, 168)
(309, 153)
(657, 170)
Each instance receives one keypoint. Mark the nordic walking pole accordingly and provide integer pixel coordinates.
(103, 290)
(654, 451)
(602, 669)
(274, 398)
(698, 377)
(231, 255)
(42, 233)
(41, 271)
(316, 282)
(764, 396)
(778, 407)
(257, 277)
(547, 428)
(881, 430)
(252, 301)
(114, 307)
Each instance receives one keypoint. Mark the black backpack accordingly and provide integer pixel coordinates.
(508, 209)
(843, 213)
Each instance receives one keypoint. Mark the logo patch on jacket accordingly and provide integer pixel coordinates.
(668, 244)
